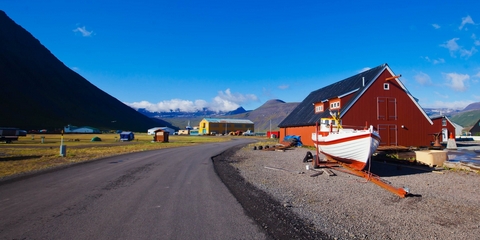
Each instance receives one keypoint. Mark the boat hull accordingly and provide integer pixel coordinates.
(352, 147)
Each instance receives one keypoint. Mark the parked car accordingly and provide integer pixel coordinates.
(248, 133)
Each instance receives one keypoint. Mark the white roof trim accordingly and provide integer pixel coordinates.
(399, 82)
(348, 93)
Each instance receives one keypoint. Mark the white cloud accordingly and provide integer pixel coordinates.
(236, 97)
(169, 105)
(284, 86)
(466, 20)
(477, 75)
(83, 31)
(436, 26)
(434, 61)
(451, 45)
(476, 42)
(467, 53)
(476, 97)
(457, 81)
(224, 101)
(76, 69)
(454, 48)
(423, 79)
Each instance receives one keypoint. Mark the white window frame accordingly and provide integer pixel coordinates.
(386, 86)
(335, 105)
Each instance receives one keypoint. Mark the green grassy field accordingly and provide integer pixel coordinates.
(37, 152)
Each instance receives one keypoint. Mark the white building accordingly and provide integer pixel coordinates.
(85, 129)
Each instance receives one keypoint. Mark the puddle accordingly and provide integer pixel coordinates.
(465, 156)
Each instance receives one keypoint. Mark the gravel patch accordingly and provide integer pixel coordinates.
(444, 204)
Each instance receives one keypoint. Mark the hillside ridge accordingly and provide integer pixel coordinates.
(39, 91)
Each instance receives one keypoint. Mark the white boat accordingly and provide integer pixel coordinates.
(350, 146)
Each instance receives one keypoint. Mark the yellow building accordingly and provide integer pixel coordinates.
(224, 126)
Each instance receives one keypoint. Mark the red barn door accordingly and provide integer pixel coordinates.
(388, 133)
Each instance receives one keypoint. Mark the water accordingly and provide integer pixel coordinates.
(465, 155)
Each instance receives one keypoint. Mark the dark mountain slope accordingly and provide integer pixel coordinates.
(39, 91)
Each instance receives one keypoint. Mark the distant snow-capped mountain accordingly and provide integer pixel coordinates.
(180, 114)
(433, 112)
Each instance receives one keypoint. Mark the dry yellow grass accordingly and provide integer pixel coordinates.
(37, 152)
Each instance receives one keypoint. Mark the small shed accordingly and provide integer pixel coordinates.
(84, 129)
(126, 136)
(151, 131)
(161, 135)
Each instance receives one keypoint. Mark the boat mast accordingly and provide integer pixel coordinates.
(336, 118)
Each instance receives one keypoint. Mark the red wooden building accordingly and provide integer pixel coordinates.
(443, 125)
(374, 97)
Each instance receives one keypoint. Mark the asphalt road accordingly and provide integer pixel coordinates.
(163, 194)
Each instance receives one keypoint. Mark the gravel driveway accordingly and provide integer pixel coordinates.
(444, 204)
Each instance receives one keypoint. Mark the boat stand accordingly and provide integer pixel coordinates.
(331, 163)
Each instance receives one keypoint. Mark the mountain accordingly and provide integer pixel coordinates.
(468, 116)
(239, 110)
(472, 106)
(269, 115)
(38, 91)
(265, 117)
(180, 114)
(434, 112)
(466, 119)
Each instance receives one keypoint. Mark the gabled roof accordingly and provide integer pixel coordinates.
(476, 127)
(304, 115)
(157, 128)
(73, 128)
(456, 126)
(228, 120)
(446, 118)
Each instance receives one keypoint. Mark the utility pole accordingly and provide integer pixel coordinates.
(270, 128)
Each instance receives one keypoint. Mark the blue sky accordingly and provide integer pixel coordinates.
(187, 55)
